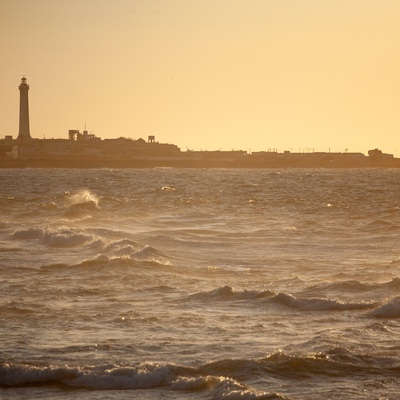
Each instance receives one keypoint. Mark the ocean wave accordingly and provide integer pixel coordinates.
(60, 237)
(350, 286)
(108, 265)
(80, 210)
(129, 377)
(81, 204)
(221, 379)
(391, 309)
(149, 253)
(227, 293)
(335, 362)
(114, 263)
(222, 388)
(123, 247)
(82, 197)
(338, 361)
(66, 238)
(320, 304)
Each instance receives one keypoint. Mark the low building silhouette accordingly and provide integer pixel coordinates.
(85, 149)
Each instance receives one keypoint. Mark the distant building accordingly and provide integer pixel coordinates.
(74, 134)
(377, 154)
(24, 133)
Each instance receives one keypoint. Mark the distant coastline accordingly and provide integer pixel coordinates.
(85, 150)
(249, 162)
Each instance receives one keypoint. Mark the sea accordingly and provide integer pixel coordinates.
(221, 284)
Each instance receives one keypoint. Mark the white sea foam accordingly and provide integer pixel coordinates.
(83, 196)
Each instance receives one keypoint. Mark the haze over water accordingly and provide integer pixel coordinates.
(199, 284)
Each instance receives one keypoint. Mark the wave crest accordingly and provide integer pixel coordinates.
(227, 293)
(320, 304)
(83, 196)
(59, 238)
(140, 376)
(149, 253)
(81, 204)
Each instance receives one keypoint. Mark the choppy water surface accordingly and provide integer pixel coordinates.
(199, 284)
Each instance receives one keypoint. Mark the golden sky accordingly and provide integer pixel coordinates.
(207, 74)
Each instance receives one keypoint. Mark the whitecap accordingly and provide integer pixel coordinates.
(83, 196)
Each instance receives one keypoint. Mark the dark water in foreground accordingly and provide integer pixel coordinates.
(199, 284)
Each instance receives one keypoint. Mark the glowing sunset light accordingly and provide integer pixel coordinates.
(209, 74)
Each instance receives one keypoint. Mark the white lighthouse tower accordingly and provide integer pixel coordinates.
(24, 134)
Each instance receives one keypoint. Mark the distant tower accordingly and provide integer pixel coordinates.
(23, 111)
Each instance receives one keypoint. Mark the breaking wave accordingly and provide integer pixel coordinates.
(320, 304)
(61, 237)
(81, 204)
(82, 197)
(129, 377)
(226, 293)
(222, 379)
(149, 253)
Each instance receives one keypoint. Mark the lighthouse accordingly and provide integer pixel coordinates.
(24, 133)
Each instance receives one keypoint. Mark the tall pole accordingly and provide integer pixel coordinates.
(23, 111)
